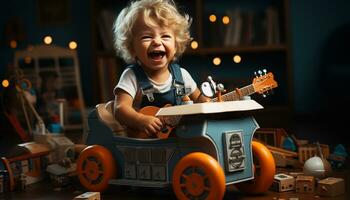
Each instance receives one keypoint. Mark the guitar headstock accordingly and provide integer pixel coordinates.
(263, 82)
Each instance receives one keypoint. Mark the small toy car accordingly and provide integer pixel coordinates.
(210, 148)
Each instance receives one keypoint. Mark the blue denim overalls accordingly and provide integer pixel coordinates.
(151, 98)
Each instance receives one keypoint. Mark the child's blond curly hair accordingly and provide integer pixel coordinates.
(162, 12)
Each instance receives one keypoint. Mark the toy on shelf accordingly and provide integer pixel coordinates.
(337, 158)
(18, 98)
(289, 144)
(55, 72)
(26, 95)
(317, 167)
(211, 147)
(310, 150)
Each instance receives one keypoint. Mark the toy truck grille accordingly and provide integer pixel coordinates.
(234, 151)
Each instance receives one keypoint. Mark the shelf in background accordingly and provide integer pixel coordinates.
(244, 49)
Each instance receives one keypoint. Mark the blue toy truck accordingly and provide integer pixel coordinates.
(210, 148)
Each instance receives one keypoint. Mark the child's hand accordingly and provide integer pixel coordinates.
(149, 124)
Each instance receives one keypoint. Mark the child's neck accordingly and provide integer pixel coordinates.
(159, 76)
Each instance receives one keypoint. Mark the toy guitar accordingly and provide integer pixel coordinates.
(261, 84)
(170, 123)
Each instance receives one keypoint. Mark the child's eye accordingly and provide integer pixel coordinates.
(166, 36)
(145, 37)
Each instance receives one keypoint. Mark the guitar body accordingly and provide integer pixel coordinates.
(152, 111)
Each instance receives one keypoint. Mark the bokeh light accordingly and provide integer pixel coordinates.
(194, 44)
(13, 44)
(212, 18)
(47, 39)
(237, 59)
(5, 83)
(217, 61)
(225, 20)
(72, 45)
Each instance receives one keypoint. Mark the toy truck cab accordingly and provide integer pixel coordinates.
(210, 148)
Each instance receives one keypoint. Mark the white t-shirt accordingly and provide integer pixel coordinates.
(128, 83)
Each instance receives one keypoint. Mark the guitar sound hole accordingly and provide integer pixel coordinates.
(164, 130)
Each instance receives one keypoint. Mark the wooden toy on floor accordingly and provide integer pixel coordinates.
(305, 184)
(88, 196)
(331, 187)
(283, 182)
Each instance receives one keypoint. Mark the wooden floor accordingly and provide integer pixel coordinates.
(45, 191)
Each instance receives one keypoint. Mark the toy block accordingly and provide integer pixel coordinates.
(295, 174)
(331, 187)
(305, 184)
(88, 196)
(283, 182)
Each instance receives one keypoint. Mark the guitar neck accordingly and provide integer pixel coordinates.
(231, 96)
(234, 96)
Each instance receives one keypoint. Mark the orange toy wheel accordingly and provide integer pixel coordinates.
(263, 173)
(95, 167)
(198, 176)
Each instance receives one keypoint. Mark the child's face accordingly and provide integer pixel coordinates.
(153, 46)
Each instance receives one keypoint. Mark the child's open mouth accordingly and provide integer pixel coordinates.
(156, 55)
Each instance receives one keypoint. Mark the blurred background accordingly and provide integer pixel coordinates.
(303, 43)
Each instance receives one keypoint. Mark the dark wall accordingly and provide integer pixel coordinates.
(320, 36)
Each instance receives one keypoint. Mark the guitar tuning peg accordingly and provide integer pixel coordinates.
(260, 72)
(265, 71)
(256, 75)
(264, 95)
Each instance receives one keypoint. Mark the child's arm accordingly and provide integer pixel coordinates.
(126, 114)
(197, 97)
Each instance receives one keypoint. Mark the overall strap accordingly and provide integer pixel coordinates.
(178, 82)
(145, 86)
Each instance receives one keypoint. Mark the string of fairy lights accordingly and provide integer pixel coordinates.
(217, 60)
(47, 40)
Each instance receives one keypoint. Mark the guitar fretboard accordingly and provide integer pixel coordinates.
(234, 96)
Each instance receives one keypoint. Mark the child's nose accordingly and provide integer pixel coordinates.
(157, 41)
